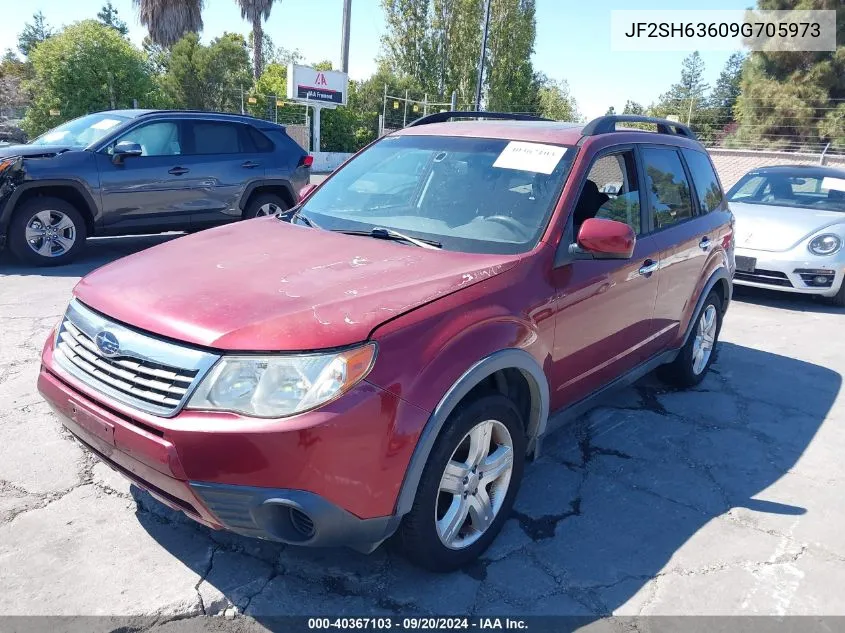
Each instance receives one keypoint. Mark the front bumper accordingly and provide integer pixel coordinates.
(326, 478)
(791, 273)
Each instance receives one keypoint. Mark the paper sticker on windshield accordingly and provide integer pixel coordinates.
(833, 183)
(535, 157)
(105, 124)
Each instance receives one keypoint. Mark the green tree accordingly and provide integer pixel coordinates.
(611, 110)
(556, 102)
(108, 15)
(256, 12)
(632, 107)
(409, 43)
(167, 21)
(85, 68)
(13, 73)
(789, 99)
(208, 77)
(34, 33)
(727, 89)
(510, 82)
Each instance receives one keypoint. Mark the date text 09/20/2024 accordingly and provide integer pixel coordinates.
(417, 623)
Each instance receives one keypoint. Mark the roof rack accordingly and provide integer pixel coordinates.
(607, 124)
(442, 117)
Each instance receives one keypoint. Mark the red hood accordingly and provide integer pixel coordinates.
(269, 285)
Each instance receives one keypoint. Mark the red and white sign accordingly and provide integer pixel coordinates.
(317, 86)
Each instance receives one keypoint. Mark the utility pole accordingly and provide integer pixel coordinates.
(482, 56)
(344, 40)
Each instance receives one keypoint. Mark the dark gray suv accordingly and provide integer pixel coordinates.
(142, 171)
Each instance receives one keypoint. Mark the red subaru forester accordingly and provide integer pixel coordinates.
(385, 356)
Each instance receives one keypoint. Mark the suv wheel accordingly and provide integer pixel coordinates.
(265, 204)
(696, 356)
(839, 298)
(47, 231)
(468, 487)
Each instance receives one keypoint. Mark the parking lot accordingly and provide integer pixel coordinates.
(723, 500)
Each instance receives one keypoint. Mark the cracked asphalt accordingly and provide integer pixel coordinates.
(722, 500)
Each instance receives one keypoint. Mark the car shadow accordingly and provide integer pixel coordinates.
(784, 300)
(99, 251)
(607, 507)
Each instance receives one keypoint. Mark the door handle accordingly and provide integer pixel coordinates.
(704, 244)
(250, 165)
(178, 171)
(648, 267)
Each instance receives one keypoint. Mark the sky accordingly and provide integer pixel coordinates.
(572, 44)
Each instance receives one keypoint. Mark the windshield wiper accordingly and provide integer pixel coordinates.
(389, 234)
(299, 215)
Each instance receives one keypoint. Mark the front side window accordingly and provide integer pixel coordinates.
(667, 187)
(470, 194)
(781, 189)
(611, 192)
(156, 139)
(706, 183)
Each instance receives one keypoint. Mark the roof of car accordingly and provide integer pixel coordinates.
(808, 171)
(198, 114)
(519, 127)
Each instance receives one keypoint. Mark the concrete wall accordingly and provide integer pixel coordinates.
(732, 164)
(327, 161)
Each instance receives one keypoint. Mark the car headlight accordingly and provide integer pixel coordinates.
(826, 244)
(278, 386)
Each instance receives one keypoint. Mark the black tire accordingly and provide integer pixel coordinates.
(417, 536)
(680, 372)
(839, 298)
(255, 208)
(24, 216)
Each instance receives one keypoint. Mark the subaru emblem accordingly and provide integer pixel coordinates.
(107, 343)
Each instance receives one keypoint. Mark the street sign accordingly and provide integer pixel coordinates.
(252, 100)
(325, 87)
(55, 113)
(280, 103)
(395, 105)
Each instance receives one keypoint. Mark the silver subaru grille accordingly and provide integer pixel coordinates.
(140, 370)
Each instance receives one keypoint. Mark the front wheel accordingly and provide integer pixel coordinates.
(696, 356)
(839, 298)
(47, 231)
(468, 487)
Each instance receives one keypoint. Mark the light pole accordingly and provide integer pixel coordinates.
(482, 56)
(344, 40)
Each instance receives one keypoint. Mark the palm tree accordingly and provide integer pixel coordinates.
(256, 11)
(168, 20)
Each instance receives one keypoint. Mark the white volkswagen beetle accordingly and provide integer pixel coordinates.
(790, 230)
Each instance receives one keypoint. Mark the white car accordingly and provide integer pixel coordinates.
(790, 230)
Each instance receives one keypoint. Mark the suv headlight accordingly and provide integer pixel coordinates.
(826, 244)
(278, 386)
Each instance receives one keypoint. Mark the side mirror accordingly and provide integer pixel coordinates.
(606, 239)
(124, 150)
(306, 191)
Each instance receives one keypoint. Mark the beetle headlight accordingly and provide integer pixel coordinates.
(278, 386)
(826, 244)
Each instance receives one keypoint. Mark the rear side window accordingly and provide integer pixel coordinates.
(260, 142)
(706, 183)
(212, 137)
(667, 187)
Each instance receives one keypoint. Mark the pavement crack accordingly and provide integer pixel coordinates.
(540, 528)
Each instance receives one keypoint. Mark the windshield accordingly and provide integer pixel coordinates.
(81, 132)
(823, 193)
(474, 195)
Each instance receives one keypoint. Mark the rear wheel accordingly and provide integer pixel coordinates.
(468, 487)
(47, 231)
(696, 356)
(265, 204)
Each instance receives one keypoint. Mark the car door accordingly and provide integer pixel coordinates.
(222, 160)
(147, 190)
(683, 240)
(604, 325)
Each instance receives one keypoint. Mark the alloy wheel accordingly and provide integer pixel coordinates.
(705, 339)
(267, 209)
(474, 484)
(50, 233)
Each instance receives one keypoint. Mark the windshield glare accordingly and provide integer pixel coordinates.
(823, 193)
(81, 132)
(474, 195)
